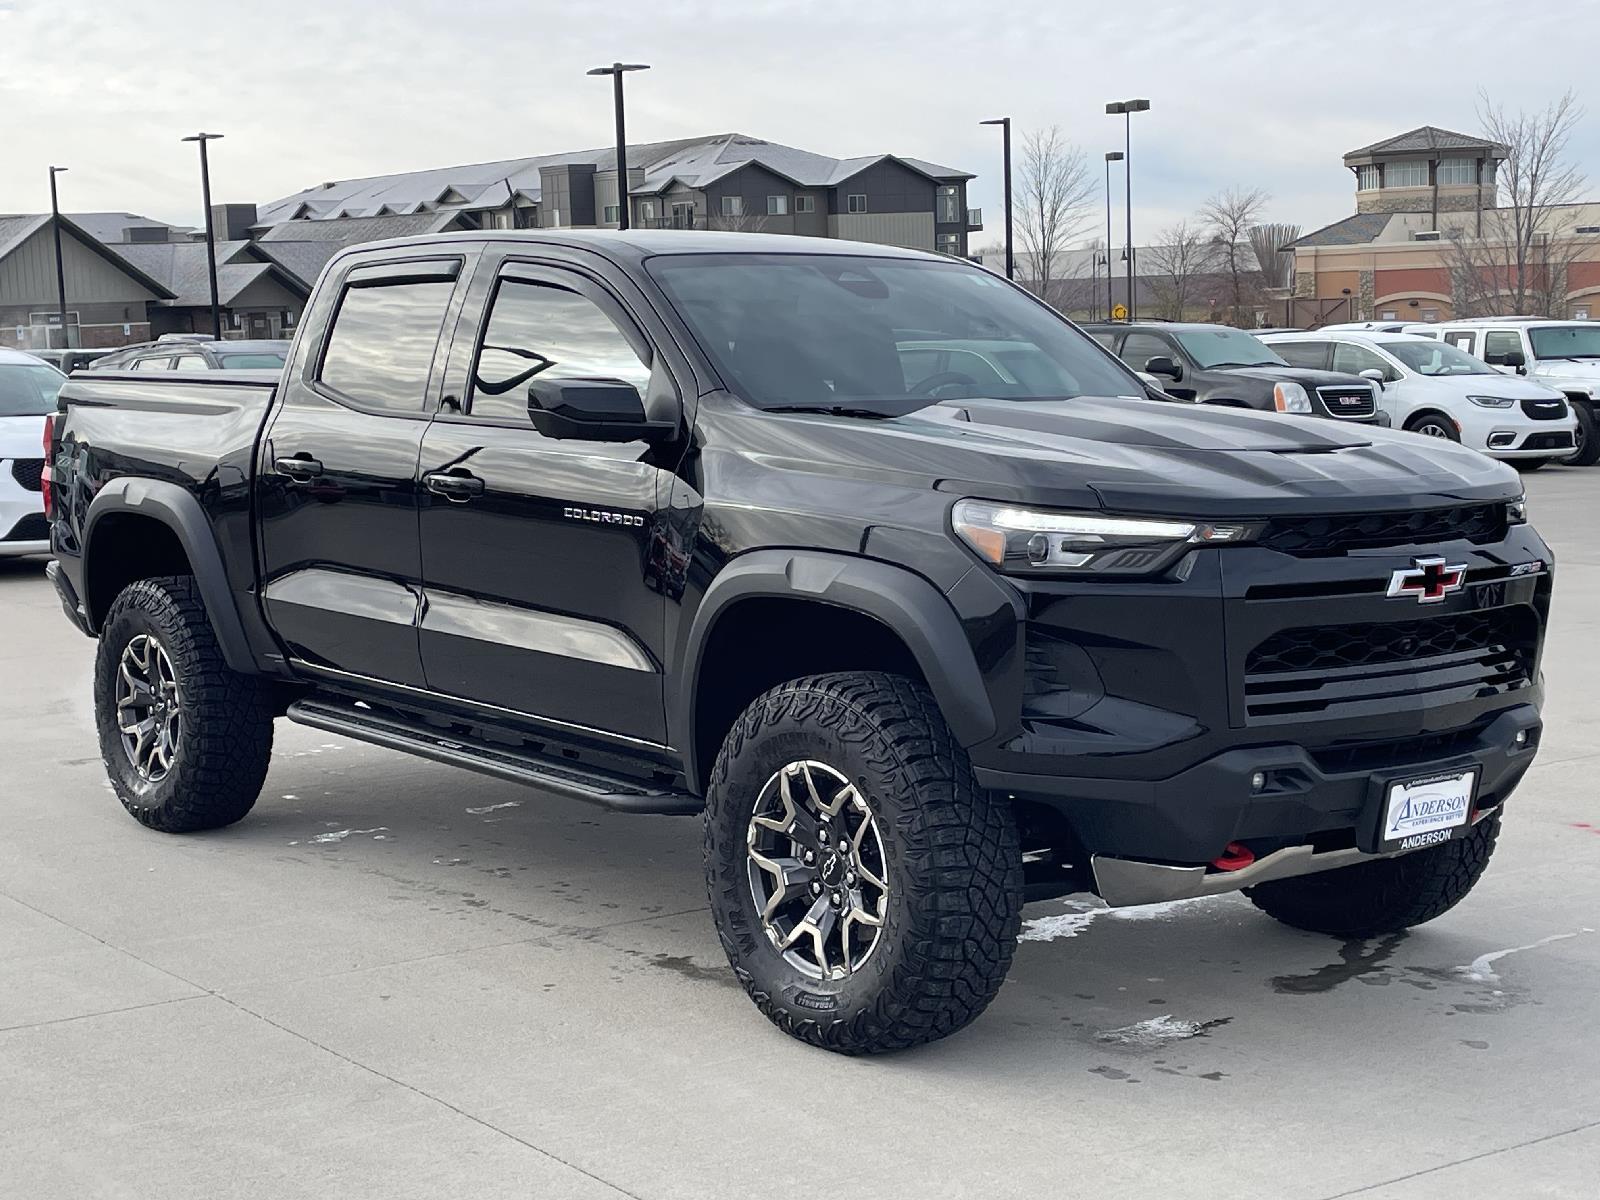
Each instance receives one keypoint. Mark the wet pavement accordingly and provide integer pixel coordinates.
(394, 979)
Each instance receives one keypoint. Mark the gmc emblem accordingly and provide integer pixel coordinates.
(1427, 579)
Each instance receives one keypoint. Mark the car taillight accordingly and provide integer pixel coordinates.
(49, 456)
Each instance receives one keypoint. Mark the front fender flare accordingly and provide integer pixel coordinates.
(901, 600)
(180, 512)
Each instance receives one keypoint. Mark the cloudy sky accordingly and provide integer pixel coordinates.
(345, 88)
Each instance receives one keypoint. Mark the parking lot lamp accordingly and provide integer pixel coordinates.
(616, 71)
(61, 271)
(1126, 109)
(211, 233)
(1111, 157)
(1005, 154)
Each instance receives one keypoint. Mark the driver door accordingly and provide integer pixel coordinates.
(534, 549)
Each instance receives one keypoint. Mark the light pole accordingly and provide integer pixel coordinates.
(1126, 108)
(616, 71)
(1111, 157)
(211, 233)
(61, 271)
(1005, 143)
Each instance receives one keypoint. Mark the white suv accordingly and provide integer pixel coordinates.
(28, 390)
(1432, 388)
(1562, 354)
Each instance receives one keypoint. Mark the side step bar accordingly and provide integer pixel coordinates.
(567, 779)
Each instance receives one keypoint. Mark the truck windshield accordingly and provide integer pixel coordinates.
(1223, 347)
(878, 336)
(1435, 358)
(27, 390)
(1566, 341)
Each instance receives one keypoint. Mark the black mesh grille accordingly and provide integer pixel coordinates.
(1544, 410)
(1310, 536)
(1333, 667)
(1547, 441)
(34, 527)
(1348, 401)
(28, 472)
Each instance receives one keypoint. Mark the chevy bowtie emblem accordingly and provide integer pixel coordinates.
(1428, 579)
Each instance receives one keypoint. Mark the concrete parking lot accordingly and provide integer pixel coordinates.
(394, 980)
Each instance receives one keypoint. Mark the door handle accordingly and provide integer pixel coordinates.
(459, 487)
(298, 468)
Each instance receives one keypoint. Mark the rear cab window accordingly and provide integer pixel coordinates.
(380, 347)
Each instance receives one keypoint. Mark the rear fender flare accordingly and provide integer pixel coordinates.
(179, 511)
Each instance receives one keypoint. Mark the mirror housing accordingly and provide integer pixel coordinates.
(593, 410)
(1164, 366)
(1507, 358)
(1373, 375)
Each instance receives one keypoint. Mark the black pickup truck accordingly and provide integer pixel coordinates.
(676, 522)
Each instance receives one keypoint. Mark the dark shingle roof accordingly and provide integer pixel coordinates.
(360, 229)
(181, 267)
(1351, 231)
(1424, 138)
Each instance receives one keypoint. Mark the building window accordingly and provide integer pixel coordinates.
(1457, 172)
(1430, 315)
(1368, 178)
(733, 206)
(805, 204)
(287, 321)
(949, 243)
(647, 210)
(856, 202)
(1405, 174)
(611, 214)
(777, 206)
(949, 206)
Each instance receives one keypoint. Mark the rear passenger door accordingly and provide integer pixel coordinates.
(536, 550)
(337, 492)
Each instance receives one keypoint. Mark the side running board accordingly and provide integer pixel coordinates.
(617, 792)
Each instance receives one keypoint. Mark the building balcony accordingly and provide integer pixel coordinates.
(974, 218)
(689, 221)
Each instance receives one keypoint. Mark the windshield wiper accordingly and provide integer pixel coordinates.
(836, 410)
(1214, 366)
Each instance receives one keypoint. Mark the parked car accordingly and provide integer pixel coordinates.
(192, 354)
(673, 521)
(28, 390)
(1433, 388)
(1564, 355)
(1217, 364)
(68, 361)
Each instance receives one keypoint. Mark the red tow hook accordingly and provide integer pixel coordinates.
(1235, 858)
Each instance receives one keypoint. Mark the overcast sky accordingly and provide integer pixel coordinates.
(344, 88)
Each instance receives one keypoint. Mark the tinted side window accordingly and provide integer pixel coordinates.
(1140, 348)
(380, 349)
(1356, 359)
(1502, 341)
(1303, 354)
(537, 329)
(191, 362)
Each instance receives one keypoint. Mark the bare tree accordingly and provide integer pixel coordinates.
(1051, 203)
(1182, 253)
(739, 222)
(1267, 243)
(1515, 256)
(1229, 216)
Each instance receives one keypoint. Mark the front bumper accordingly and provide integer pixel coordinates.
(22, 525)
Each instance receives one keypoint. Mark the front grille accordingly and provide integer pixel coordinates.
(28, 472)
(35, 527)
(1544, 410)
(1340, 668)
(1547, 441)
(1348, 402)
(1316, 536)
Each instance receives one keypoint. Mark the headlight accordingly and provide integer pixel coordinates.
(1029, 540)
(1290, 398)
(1517, 511)
(1492, 401)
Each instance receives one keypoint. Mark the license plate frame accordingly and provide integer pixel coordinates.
(1417, 811)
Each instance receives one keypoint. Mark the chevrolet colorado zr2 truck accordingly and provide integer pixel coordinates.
(675, 522)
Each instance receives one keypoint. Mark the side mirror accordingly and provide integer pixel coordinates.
(1164, 366)
(1375, 375)
(1506, 358)
(594, 410)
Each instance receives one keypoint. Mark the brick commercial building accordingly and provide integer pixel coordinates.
(1428, 241)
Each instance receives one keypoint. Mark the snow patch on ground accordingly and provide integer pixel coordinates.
(339, 835)
(1481, 969)
(489, 808)
(1082, 915)
(1157, 1031)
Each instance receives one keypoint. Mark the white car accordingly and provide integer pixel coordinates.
(28, 390)
(1432, 388)
(1563, 354)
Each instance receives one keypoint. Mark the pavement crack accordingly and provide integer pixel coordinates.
(1471, 1158)
(108, 1012)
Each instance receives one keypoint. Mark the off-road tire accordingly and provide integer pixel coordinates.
(1385, 896)
(953, 863)
(1588, 438)
(224, 740)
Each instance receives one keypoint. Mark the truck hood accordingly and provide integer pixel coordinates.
(1137, 456)
(1305, 376)
(1583, 370)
